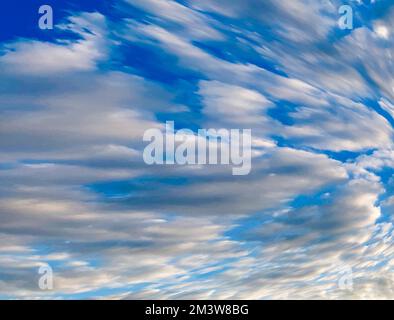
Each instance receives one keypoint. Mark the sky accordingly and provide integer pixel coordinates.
(312, 220)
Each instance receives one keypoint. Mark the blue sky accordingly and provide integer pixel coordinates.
(75, 193)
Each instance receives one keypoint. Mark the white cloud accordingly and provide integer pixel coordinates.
(41, 58)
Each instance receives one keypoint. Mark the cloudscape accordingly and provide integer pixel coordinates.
(298, 203)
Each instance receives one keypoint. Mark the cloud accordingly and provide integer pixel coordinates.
(41, 58)
(195, 24)
(76, 194)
